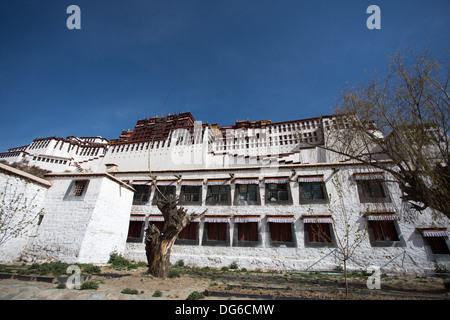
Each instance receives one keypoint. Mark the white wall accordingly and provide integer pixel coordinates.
(411, 255)
(21, 201)
(85, 229)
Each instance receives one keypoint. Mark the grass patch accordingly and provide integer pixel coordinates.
(129, 291)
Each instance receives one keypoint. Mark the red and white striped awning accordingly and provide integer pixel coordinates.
(246, 181)
(436, 233)
(381, 216)
(281, 219)
(276, 180)
(218, 182)
(137, 218)
(244, 219)
(310, 179)
(192, 182)
(155, 218)
(317, 219)
(218, 219)
(166, 183)
(369, 176)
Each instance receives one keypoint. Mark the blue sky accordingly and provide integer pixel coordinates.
(228, 60)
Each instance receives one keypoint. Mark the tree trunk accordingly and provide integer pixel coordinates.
(159, 243)
(345, 276)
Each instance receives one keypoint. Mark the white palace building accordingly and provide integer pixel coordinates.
(276, 199)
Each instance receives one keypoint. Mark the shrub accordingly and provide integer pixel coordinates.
(157, 294)
(117, 261)
(89, 285)
(234, 265)
(89, 268)
(180, 263)
(174, 273)
(61, 285)
(129, 291)
(195, 296)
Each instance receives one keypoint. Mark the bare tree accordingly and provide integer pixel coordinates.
(159, 243)
(400, 123)
(17, 211)
(349, 231)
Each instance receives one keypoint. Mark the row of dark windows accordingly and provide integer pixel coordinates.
(381, 233)
(248, 194)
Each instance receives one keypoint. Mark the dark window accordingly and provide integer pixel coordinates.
(189, 232)
(135, 229)
(217, 231)
(318, 232)
(79, 188)
(164, 191)
(247, 192)
(438, 245)
(159, 224)
(277, 192)
(371, 188)
(383, 230)
(248, 231)
(280, 232)
(372, 191)
(218, 194)
(312, 192)
(141, 195)
(191, 193)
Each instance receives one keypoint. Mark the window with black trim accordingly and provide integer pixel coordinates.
(189, 234)
(318, 233)
(246, 194)
(277, 192)
(313, 192)
(218, 194)
(164, 191)
(438, 245)
(372, 191)
(216, 231)
(280, 232)
(383, 231)
(191, 194)
(79, 188)
(142, 194)
(135, 231)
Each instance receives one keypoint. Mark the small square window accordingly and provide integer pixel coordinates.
(79, 188)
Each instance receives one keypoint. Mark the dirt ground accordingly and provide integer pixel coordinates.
(235, 284)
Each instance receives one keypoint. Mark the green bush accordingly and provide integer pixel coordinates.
(129, 291)
(61, 285)
(117, 261)
(55, 268)
(89, 285)
(195, 296)
(234, 265)
(174, 273)
(157, 294)
(180, 263)
(89, 268)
